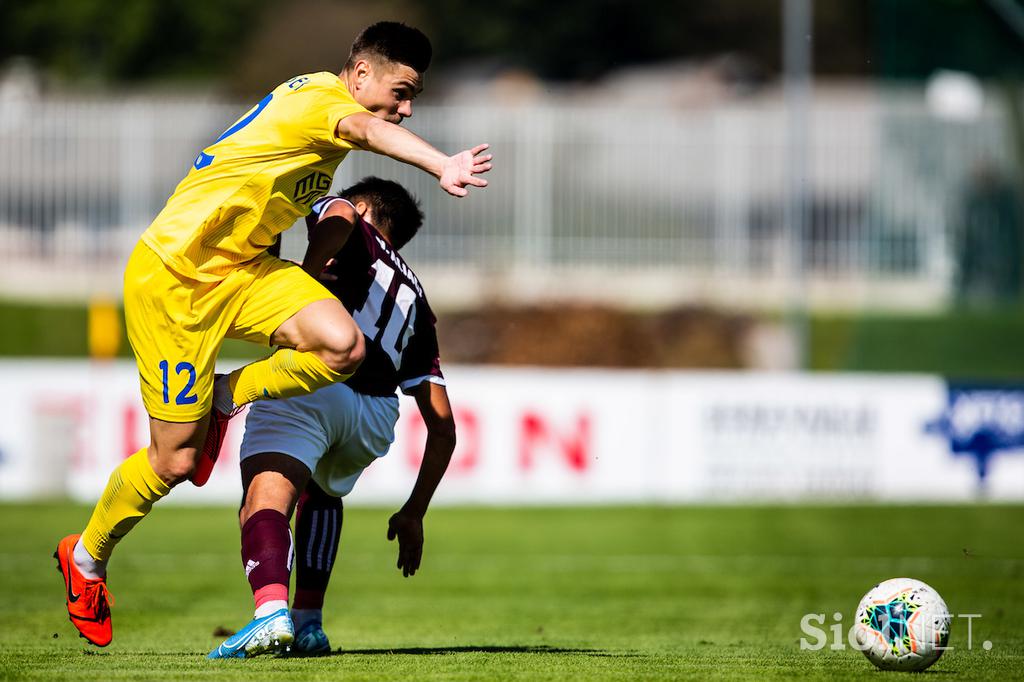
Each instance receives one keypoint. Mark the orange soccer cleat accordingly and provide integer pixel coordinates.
(88, 601)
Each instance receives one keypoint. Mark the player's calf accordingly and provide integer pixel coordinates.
(318, 524)
(267, 558)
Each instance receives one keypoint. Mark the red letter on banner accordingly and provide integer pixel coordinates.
(130, 429)
(535, 432)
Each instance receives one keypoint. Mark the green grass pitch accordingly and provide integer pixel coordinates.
(531, 594)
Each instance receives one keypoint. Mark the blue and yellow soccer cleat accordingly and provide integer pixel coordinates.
(311, 640)
(271, 634)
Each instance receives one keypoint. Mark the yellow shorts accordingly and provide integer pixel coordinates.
(176, 325)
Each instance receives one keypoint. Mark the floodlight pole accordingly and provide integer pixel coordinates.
(797, 34)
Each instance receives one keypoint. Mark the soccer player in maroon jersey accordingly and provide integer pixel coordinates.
(317, 445)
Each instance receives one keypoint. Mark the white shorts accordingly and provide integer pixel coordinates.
(334, 431)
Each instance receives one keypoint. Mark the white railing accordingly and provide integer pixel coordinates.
(580, 198)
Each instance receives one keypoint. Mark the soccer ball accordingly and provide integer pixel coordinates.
(902, 624)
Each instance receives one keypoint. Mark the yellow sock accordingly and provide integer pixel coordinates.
(284, 374)
(129, 495)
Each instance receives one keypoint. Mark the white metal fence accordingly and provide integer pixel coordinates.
(692, 199)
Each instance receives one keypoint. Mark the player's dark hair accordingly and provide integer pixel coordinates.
(396, 213)
(394, 42)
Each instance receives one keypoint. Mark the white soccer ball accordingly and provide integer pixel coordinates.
(902, 624)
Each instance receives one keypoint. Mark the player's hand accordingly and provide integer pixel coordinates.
(462, 170)
(409, 531)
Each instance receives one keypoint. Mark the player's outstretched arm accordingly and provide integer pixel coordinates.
(455, 173)
(407, 523)
(327, 237)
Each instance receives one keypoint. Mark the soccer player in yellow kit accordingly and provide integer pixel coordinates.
(201, 273)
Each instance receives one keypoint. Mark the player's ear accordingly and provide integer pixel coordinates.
(363, 209)
(362, 70)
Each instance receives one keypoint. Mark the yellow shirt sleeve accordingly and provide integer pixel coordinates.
(330, 101)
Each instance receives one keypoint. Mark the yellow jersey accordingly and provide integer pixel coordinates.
(255, 180)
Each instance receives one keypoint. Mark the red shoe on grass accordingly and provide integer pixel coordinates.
(88, 601)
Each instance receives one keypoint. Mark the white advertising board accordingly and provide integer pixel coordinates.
(532, 436)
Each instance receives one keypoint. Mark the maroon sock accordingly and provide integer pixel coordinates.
(267, 554)
(317, 532)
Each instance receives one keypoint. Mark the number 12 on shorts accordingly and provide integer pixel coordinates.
(183, 397)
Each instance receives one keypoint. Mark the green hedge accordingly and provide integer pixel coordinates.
(61, 330)
(966, 344)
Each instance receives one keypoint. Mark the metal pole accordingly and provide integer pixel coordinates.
(797, 31)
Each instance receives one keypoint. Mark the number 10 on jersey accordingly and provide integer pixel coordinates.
(399, 325)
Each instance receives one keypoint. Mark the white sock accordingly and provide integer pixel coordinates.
(222, 399)
(269, 607)
(91, 568)
(302, 616)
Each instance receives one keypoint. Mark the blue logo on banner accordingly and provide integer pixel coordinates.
(982, 421)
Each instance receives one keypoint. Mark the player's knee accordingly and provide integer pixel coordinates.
(357, 352)
(274, 487)
(175, 466)
(343, 350)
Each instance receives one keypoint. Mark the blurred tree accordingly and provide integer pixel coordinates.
(301, 36)
(577, 40)
(989, 239)
(126, 39)
(261, 41)
(914, 38)
(584, 39)
(266, 40)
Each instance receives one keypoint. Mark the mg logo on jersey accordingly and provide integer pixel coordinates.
(310, 187)
(981, 422)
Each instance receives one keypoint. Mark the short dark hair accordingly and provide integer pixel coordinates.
(393, 42)
(396, 213)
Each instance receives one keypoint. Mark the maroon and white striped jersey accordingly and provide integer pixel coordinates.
(385, 298)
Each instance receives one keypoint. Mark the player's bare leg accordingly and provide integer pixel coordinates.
(320, 345)
(325, 346)
(271, 483)
(133, 488)
(325, 329)
(140, 481)
(175, 448)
